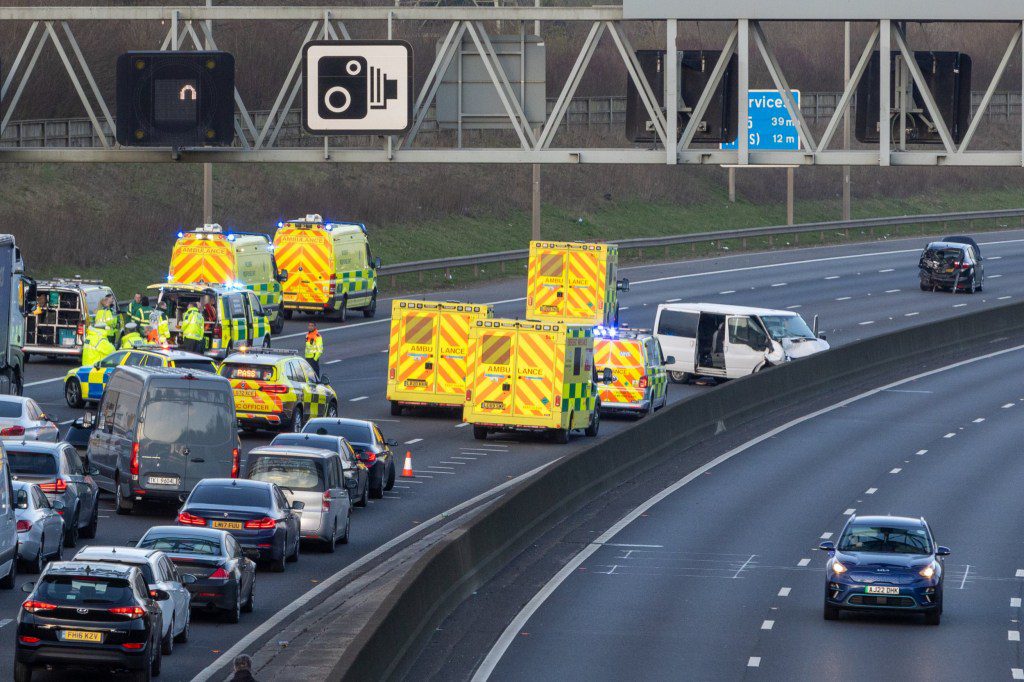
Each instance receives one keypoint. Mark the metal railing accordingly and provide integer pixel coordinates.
(743, 234)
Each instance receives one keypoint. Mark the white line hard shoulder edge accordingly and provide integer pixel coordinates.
(496, 653)
(300, 602)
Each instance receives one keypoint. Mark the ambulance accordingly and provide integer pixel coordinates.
(239, 321)
(208, 255)
(329, 267)
(427, 354)
(640, 381)
(531, 376)
(574, 283)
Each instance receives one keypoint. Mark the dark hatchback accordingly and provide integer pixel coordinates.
(225, 575)
(885, 563)
(372, 448)
(256, 513)
(90, 614)
(953, 266)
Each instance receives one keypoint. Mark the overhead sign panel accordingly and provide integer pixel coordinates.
(827, 10)
(769, 125)
(357, 87)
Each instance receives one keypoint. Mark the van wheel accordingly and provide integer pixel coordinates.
(925, 286)
(396, 409)
(479, 432)
(561, 436)
(167, 643)
(277, 326)
(71, 534)
(595, 422)
(121, 505)
(371, 310)
(362, 501)
(266, 341)
(680, 377)
(73, 393)
(329, 546)
(343, 312)
(348, 528)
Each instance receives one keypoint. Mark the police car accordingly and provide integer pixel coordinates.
(640, 382)
(87, 383)
(277, 390)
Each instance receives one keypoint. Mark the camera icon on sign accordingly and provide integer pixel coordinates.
(349, 88)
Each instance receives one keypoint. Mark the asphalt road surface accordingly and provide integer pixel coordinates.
(722, 577)
(858, 290)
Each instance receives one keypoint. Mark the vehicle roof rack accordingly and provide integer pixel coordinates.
(248, 350)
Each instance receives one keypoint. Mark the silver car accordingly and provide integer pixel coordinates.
(160, 574)
(314, 477)
(58, 470)
(40, 526)
(21, 418)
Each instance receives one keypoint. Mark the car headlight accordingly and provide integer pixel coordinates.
(838, 568)
(928, 571)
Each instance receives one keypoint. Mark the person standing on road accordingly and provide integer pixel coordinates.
(243, 669)
(107, 317)
(97, 345)
(135, 310)
(158, 329)
(209, 312)
(192, 329)
(131, 336)
(314, 347)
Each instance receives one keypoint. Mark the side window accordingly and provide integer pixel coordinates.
(235, 306)
(254, 303)
(169, 570)
(73, 462)
(349, 454)
(114, 359)
(577, 361)
(124, 414)
(307, 371)
(295, 372)
(39, 500)
(335, 472)
(153, 361)
(678, 323)
(32, 410)
(230, 548)
(282, 501)
(106, 411)
(140, 585)
(136, 359)
(378, 434)
(739, 330)
(369, 257)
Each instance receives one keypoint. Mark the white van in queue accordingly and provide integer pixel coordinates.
(730, 341)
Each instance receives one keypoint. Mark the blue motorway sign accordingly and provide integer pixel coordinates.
(768, 123)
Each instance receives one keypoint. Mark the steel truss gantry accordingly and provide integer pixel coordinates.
(190, 28)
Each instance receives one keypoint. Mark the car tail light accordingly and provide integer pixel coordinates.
(28, 639)
(234, 463)
(368, 457)
(130, 611)
(219, 574)
(132, 646)
(332, 285)
(187, 519)
(56, 486)
(13, 431)
(24, 526)
(133, 463)
(644, 382)
(265, 523)
(326, 506)
(965, 266)
(275, 389)
(33, 606)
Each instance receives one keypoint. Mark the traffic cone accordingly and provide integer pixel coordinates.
(407, 469)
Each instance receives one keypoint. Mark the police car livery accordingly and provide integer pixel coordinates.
(87, 383)
(639, 381)
(277, 390)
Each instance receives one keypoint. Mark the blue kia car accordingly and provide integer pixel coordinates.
(884, 563)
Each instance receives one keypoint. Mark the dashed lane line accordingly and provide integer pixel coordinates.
(950, 435)
(826, 536)
(871, 491)
(849, 512)
(1019, 573)
(729, 291)
(754, 662)
(768, 625)
(1017, 673)
(1014, 602)
(1013, 635)
(888, 270)
(784, 592)
(793, 307)
(414, 441)
(358, 398)
(896, 470)
(866, 322)
(844, 298)
(922, 452)
(803, 562)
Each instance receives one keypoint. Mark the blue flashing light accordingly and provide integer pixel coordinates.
(170, 278)
(280, 223)
(180, 234)
(606, 332)
(231, 237)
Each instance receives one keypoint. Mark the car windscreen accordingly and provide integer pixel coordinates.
(231, 496)
(307, 440)
(885, 540)
(234, 370)
(295, 473)
(10, 409)
(83, 590)
(353, 433)
(182, 415)
(207, 366)
(173, 544)
(787, 327)
(32, 463)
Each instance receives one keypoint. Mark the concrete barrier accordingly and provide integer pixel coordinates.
(453, 569)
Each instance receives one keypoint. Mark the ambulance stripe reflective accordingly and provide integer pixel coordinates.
(583, 299)
(420, 350)
(419, 329)
(202, 260)
(534, 386)
(545, 297)
(315, 257)
(453, 336)
(626, 360)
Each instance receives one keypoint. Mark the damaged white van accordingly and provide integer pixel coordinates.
(729, 341)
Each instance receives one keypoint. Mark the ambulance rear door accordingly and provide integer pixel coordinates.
(535, 374)
(417, 358)
(546, 295)
(585, 285)
(491, 389)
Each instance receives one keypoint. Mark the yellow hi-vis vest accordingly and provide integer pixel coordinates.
(192, 326)
(314, 345)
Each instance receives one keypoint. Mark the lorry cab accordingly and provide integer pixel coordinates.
(64, 310)
(239, 317)
(328, 268)
(728, 341)
(209, 255)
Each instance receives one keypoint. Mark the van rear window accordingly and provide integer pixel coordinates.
(678, 323)
(233, 370)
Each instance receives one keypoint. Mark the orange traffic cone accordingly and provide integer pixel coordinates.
(407, 469)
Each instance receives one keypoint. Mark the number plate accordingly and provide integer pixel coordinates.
(492, 405)
(416, 383)
(81, 636)
(881, 589)
(162, 480)
(227, 525)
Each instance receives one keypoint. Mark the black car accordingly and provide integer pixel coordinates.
(90, 614)
(225, 575)
(256, 514)
(885, 563)
(951, 266)
(371, 448)
(353, 468)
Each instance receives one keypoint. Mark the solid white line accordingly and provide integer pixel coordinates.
(510, 633)
(463, 424)
(754, 662)
(745, 564)
(960, 305)
(832, 277)
(414, 441)
(892, 291)
(730, 291)
(673, 300)
(784, 592)
(844, 298)
(871, 491)
(1013, 635)
(911, 314)
(803, 562)
(403, 487)
(43, 381)
(1017, 673)
(849, 512)
(1014, 602)
(793, 307)
(896, 470)
(922, 452)
(888, 270)
(1008, 406)
(768, 625)
(328, 583)
(995, 257)
(979, 420)
(994, 276)
(826, 536)
(356, 400)
(950, 435)
(780, 284)
(623, 544)
(1003, 298)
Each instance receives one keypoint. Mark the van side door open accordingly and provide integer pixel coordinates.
(745, 346)
(711, 344)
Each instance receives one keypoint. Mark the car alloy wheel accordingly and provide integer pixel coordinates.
(73, 393)
(297, 420)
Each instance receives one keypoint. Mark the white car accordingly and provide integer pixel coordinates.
(160, 574)
(21, 418)
(40, 526)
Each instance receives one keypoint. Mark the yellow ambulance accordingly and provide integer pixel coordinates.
(639, 383)
(574, 283)
(427, 361)
(531, 376)
(208, 255)
(329, 267)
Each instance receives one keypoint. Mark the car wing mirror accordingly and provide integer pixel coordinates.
(325, 380)
(28, 587)
(92, 471)
(670, 360)
(827, 546)
(351, 483)
(298, 505)
(376, 263)
(942, 551)
(622, 285)
(282, 276)
(188, 578)
(58, 505)
(391, 442)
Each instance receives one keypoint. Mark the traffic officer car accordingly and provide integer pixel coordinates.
(87, 383)
(277, 390)
(639, 381)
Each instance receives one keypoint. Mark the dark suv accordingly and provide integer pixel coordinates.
(90, 614)
(954, 266)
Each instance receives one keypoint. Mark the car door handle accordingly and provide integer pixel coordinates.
(198, 460)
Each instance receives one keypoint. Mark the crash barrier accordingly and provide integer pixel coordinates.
(472, 554)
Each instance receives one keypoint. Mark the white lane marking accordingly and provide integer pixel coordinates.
(745, 564)
(493, 447)
(950, 435)
(768, 625)
(1008, 406)
(624, 307)
(905, 390)
(888, 270)
(66, 422)
(832, 277)
(803, 562)
(446, 462)
(754, 662)
(871, 491)
(849, 512)
(329, 582)
(1020, 573)
(332, 362)
(844, 298)
(414, 441)
(403, 487)
(784, 592)
(1014, 602)
(867, 322)
(1017, 673)
(959, 305)
(490, 662)
(995, 257)
(892, 291)
(729, 291)
(43, 381)
(1003, 298)
(472, 459)
(793, 307)
(673, 300)
(922, 452)
(826, 536)
(911, 314)
(1013, 635)
(434, 470)
(780, 284)
(384, 351)
(623, 544)
(419, 476)
(994, 276)
(357, 399)
(896, 470)
(979, 420)
(462, 425)
(5, 621)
